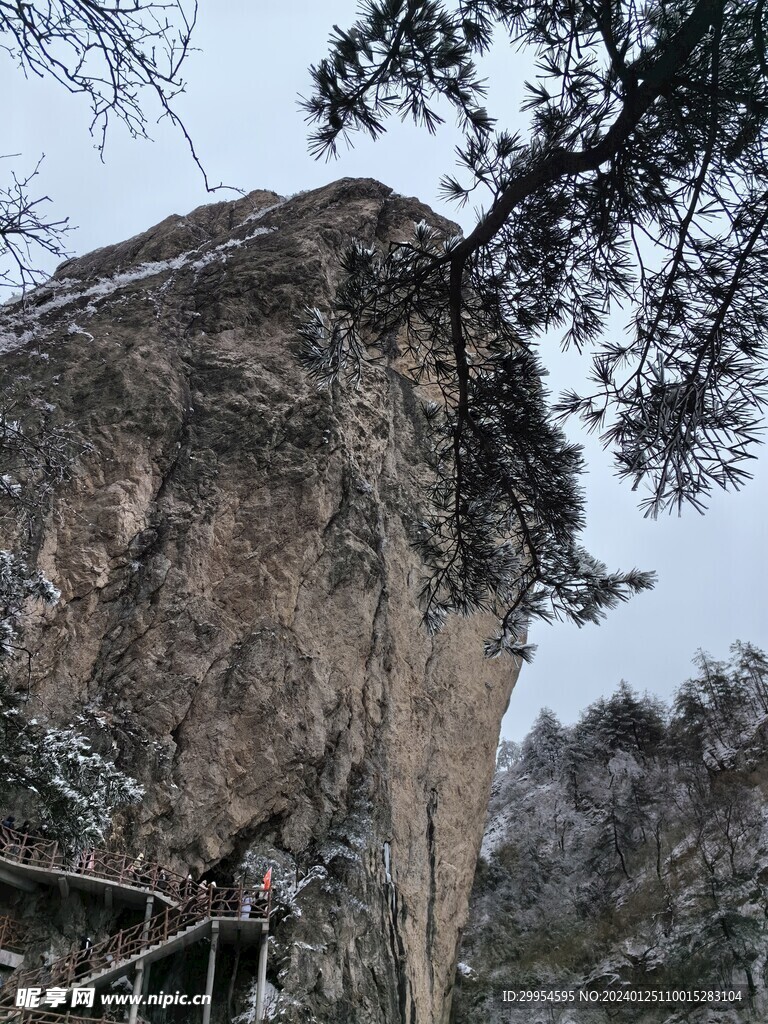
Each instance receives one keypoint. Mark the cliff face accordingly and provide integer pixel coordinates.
(238, 601)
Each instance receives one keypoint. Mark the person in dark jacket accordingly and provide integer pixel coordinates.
(9, 822)
(10, 840)
(84, 956)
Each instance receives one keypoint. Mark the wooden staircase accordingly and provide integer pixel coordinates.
(189, 912)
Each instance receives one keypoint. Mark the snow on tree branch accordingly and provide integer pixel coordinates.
(640, 185)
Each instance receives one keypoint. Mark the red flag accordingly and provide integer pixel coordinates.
(267, 883)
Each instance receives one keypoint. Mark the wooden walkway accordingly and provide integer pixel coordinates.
(188, 912)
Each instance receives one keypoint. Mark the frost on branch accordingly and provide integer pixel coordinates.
(498, 529)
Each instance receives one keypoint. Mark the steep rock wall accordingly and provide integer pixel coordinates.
(239, 596)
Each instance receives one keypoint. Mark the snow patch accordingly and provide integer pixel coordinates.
(258, 214)
(387, 851)
(77, 329)
(59, 293)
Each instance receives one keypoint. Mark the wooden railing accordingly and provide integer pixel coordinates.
(32, 851)
(191, 904)
(78, 966)
(11, 935)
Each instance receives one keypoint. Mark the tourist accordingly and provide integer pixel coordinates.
(246, 905)
(3, 836)
(262, 900)
(86, 860)
(84, 957)
(137, 867)
(202, 898)
(8, 823)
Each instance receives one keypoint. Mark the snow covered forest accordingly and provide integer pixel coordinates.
(629, 850)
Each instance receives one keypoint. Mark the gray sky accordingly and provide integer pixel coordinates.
(241, 110)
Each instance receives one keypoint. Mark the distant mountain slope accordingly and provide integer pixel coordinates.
(629, 852)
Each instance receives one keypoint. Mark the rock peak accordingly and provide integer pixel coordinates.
(239, 605)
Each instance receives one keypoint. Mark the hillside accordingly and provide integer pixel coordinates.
(629, 852)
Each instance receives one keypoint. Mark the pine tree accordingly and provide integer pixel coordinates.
(542, 748)
(57, 776)
(640, 183)
(631, 723)
(655, 878)
(721, 710)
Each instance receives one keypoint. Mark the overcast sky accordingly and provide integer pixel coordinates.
(241, 110)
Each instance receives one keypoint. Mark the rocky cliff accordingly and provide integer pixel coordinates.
(238, 596)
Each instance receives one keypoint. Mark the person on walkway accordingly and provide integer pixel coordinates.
(45, 969)
(246, 905)
(86, 860)
(84, 957)
(28, 839)
(137, 867)
(215, 899)
(5, 838)
(202, 898)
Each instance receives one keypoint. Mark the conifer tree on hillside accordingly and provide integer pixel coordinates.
(57, 777)
(640, 182)
(722, 709)
(542, 749)
(652, 877)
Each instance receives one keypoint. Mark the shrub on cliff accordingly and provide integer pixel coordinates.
(58, 778)
(52, 772)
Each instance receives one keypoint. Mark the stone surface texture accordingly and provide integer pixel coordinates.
(239, 605)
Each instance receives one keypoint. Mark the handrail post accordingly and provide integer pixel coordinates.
(147, 918)
(262, 975)
(211, 972)
(137, 986)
